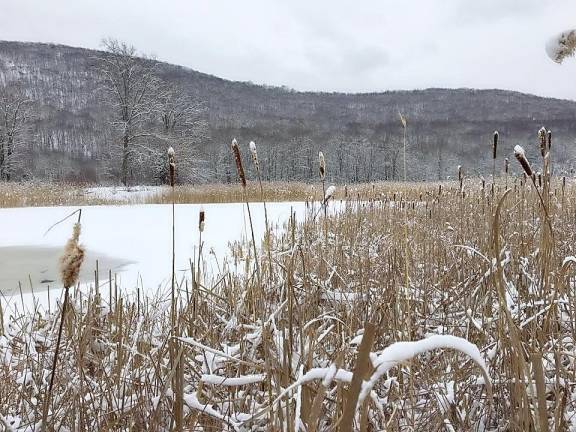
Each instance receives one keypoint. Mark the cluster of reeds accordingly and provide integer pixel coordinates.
(243, 369)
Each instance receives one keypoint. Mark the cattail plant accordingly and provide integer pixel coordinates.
(404, 125)
(70, 263)
(322, 171)
(242, 177)
(520, 155)
(201, 220)
(254, 154)
(543, 138)
(238, 160)
(201, 225)
(506, 169)
(178, 407)
(494, 152)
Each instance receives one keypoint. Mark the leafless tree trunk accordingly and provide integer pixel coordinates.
(130, 85)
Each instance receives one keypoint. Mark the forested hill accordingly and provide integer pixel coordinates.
(360, 134)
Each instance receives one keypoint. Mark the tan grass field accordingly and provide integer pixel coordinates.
(278, 347)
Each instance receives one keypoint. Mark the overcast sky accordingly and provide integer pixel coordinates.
(329, 45)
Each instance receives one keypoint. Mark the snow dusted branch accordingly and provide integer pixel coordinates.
(402, 351)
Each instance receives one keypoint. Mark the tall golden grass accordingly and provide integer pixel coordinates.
(487, 272)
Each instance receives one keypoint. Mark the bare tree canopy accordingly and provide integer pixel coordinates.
(15, 111)
(150, 115)
(130, 85)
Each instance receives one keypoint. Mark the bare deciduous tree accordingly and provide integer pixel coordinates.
(15, 112)
(183, 127)
(131, 85)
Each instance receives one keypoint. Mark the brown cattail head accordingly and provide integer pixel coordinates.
(495, 145)
(549, 140)
(460, 173)
(563, 182)
(506, 165)
(238, 159)
(71, 259)
(540, 179)
(322, 165)
(542, 136)
(172, 165)
(254, 153)
(201, 218)
(521, 157)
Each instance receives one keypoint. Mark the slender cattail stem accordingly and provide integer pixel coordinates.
(70, 269)
(521, 157)
(268, 234)
(242, 176)
(176, 382)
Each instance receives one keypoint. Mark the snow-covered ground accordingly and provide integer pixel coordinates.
(121, 193)
(134, 241)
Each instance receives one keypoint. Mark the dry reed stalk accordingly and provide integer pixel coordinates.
(70, 263)
(361, 372)
(542, 424)
(242, 176)
(177, 385)
(268, 234)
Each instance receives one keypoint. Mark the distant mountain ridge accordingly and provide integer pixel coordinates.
(359, 133)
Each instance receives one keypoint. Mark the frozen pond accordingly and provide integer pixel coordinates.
(134, 242)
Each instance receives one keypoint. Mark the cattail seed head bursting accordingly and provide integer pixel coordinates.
(521, 157)
(172, 165)
(322, 165)
(238, 160)
(495, 145)
(71, 259)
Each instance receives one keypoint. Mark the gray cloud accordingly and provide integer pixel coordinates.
(324, 45)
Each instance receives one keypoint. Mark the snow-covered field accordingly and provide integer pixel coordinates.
(133, 241)
(122, 194)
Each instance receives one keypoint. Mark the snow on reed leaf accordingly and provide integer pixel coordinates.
(562, 45)
(232, 382)
(402, 351)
